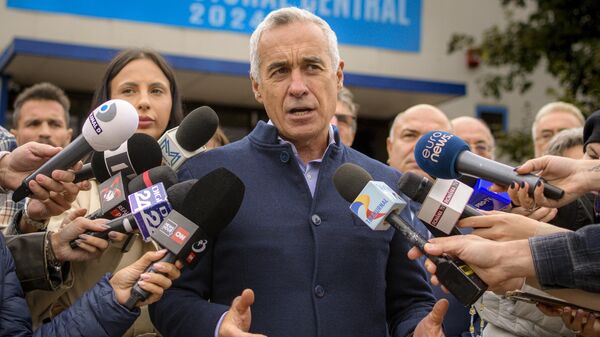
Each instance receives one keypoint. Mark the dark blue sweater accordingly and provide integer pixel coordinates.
(316, 270)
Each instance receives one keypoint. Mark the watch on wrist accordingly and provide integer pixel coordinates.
(51, 259)
(38, 225)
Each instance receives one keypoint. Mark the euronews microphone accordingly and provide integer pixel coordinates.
(419, 188)
(356, 186)
(106, 127)
(211, 204)
(444, 155)
(188, 139)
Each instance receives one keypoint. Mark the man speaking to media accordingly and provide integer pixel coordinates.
(313, 268)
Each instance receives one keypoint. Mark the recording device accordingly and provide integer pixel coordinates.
(85, 173)
(149, 207)
(188, 139)
(484, 199)
(210, 205)
(106, 127)
(138, 154)
(551, 301)
(376, 202)
(116, 205)
(444, 155)
(418, 188)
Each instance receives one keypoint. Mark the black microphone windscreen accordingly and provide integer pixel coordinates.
(144, 153)
(84, 174)
(177, 193)
(197, 128)
(350, 179)
(214, 200)
(155, 175)
(415, 186)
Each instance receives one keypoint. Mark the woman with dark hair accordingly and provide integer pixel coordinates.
(143, 78)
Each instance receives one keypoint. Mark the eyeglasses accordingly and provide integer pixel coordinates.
(346, 119)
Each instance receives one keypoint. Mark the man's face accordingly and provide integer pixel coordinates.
(477, 136)
(344, 121)
(549, 125)
(407, 130)
(42, 121)
(298, 84)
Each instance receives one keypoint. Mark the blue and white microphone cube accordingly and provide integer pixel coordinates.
(374, 203)
(149, 208)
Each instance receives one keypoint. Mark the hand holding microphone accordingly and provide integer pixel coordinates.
(444, 155)
(374, 203)
(576, 177)
(208, 207)
(106, 127)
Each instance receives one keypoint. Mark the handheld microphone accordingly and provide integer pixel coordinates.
(487, 200)
(163, 174)
(210, 205)
(376, 201)
(85, 173)
(113, 197)
(188, 139)
(149, 207)
(106, 127)
(138, 154)
(419, 188)
(444, 155)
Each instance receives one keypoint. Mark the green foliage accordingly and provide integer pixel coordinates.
(515, 146)
(564, 34)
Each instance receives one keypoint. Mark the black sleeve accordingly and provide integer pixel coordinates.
(29, 253)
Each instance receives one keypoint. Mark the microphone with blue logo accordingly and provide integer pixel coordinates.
(378, 206)
(444, 155)
(487, 200)
(106, 128)
(188, 139)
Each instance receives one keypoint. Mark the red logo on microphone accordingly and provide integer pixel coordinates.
(180, 235)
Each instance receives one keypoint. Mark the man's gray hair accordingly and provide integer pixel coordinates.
(346, 97)
(556, 107)
(286, 16)
(565, 140)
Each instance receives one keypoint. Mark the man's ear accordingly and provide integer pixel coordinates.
(256, 90)
(340, 75)
(70, 132)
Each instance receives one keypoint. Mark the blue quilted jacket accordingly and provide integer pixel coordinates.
(97, 313)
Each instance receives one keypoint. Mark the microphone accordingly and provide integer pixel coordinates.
(188, 139)
(106, 127)
(113, 198)
(163, 174)
(149, 207)
(138, 154)
(210, 205)
(85, 173)
(444, 155)
(419, 189)
(111, 208)
(376, 202)
(487, 200)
